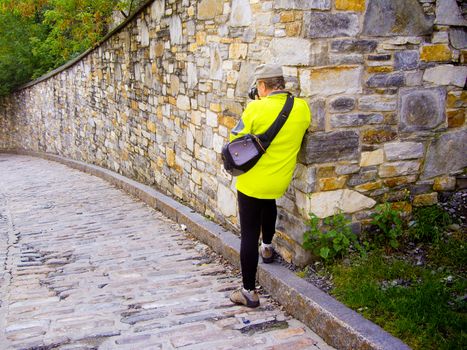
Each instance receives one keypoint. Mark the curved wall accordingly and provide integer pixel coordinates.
(155, 102)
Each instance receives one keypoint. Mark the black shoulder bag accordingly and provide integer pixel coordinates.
(243, 153)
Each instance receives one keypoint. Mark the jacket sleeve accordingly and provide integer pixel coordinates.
(244, 125)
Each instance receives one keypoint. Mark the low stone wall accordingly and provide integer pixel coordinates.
(156, 100)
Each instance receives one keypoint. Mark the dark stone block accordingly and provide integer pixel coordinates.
(396, 17)
(379, 135)
(446, 154)
(318, 112)
(421, 109)
(458, 37)
(353, 120)
(330, 147)
(406, 60)
(342, 104)
(330, 25)
(348, 45)
(386, 80)
(362, 177)
(379, 57)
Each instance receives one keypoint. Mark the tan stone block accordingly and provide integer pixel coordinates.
(134, 105)
(151, 126)
(287, 16)
(172, 100)
(444, 183)
(369, 186)
(397, 181)
(456, 118)
(373, 136)
(170, 156)
(293, 29)
(208, 9)
(332, 183)
(380, 69)
(436, 53)
(427, 199)
(350, 5)
(215, 107)
(326, 171)
(201, 38)
(463, 57)
(228, 122)
(238, 50)
(193, 47)
(372, 158)
(159, 49)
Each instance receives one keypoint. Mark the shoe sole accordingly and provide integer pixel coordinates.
(267, 260)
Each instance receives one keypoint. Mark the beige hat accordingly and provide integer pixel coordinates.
(265, 71)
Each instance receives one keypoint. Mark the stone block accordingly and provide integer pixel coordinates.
(238, 51)
(209, 9)
(350, 5)
(365, 175)
(401, 168)
(226, 201)
(436, 53)
(386, 80)
(240, 15)
(403, 150)
(352, 45)
(378, 135)
(446, 154)
(215, 69)
(444, 183)
(318, 114)
(330, 25)
(245, 78)
(176, 31)
(370, 186)
(303, 4)
(421, 109)
(398, 181)
(332, 183)
(448, 13)
(342, 104)
(324, 204)
(446, 75)
(330, 147)
(354, 120)
(379, 103)
(289, 51)
(406, 60)
(456, 118)
(331, 80)
(396, 17)
(372, 158)
(183, 102)
(458, 37)
(426, 199)
(380, 57)
(304, 178)
(345, 169)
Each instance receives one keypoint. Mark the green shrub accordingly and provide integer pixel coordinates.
(336, 242)
(429, 223)
(389, 225)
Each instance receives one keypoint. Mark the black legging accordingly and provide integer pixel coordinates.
(256, 215)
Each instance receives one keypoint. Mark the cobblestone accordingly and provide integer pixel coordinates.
(85, 266)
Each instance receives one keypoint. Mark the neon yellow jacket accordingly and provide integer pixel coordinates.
(271, 176)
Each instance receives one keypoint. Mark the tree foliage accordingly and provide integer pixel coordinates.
(37, 36)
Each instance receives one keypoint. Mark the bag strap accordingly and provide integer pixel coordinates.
(267, 137)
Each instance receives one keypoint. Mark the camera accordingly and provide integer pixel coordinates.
(253, 92)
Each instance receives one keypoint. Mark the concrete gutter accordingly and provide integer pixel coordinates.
(338, 325)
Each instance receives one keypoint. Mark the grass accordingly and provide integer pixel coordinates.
(424, 306)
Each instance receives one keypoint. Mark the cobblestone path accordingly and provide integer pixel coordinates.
(85, 266)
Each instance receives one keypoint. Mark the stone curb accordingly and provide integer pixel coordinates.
(338, 325)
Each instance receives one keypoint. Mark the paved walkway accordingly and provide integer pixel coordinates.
(85, 266)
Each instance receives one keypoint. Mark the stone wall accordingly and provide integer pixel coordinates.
(155, 101)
